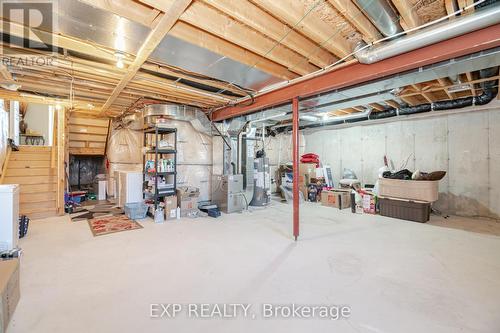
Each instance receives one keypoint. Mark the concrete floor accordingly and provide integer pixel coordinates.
(396, 276)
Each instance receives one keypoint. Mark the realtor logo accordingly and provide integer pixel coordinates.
(28, 25)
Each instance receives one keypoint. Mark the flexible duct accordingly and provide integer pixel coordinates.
(490, 91)
(480, 19)
(382, 16)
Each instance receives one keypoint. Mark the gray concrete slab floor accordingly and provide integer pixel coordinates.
(395, 276)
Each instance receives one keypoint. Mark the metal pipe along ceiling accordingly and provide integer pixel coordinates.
(382, 16)
(480, 19)
(490, 91)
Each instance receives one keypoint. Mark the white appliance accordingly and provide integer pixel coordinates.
(9, 216)
(128, 187)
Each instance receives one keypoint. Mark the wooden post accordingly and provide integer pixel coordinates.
(61, 172)
(53, 152)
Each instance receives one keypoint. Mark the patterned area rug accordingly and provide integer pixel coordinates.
(110, 224)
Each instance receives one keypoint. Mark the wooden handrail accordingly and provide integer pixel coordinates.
(54, 142)
(5, 164)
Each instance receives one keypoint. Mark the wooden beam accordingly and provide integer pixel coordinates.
(407, 13)
(464, 3)
(312, 22)
(5, 165)
(61, 169)
(218, 24)
(153, 39)
(443, 82)
(223, 47)
(351, 12)
(199, 37)
(256, 18)
(451, 7)
(393, 104)
(429, 98)
(377, 106)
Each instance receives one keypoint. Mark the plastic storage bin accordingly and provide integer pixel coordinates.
(405, 209)
(420, 190)
(136, 210)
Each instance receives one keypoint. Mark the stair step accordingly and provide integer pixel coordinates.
(16, 156)
(41, 214)
(38, 188)
(28, 164)
(34, 149)
(48, 203)
(37, 197)
(27, 172)
(30, 180)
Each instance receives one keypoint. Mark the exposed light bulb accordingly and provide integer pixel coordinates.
(119, 59)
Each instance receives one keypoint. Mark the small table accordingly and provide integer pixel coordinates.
(34, 140)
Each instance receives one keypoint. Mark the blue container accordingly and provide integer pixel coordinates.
(136, 210)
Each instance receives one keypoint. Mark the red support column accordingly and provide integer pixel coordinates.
(295, 140)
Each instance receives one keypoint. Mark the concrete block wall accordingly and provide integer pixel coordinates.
(466, 145)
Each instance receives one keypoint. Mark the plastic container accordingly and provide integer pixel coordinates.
(405, 209)
(136, 210)
(420, 190)
(159, 215)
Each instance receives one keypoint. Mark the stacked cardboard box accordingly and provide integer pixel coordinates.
(187, 199)
(171, 207)
(307, 171)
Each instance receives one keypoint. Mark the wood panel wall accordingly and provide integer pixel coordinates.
(87, 135)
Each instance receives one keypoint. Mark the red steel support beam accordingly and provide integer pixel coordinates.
(295, 140)
(356, 73)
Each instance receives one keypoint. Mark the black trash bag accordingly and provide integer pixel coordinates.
(404, 174)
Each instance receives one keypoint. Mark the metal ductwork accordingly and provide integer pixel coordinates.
(382, 16)
(196, 117)
(462, 25)
(490, 91)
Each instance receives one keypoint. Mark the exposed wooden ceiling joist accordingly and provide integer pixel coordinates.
(154, 38)
(258, 19)
(309, 22)
(408, 14)
(351, 12)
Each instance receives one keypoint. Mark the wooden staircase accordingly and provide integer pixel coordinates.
(31, 168)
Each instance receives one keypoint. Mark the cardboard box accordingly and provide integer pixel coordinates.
(170, 207)
(187, 199)
(306, 172)
(336, 198)
(9, 291)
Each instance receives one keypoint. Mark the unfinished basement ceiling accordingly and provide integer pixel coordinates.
(98, 26)
(216, 52)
